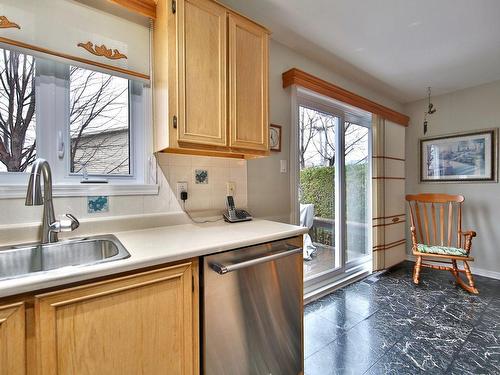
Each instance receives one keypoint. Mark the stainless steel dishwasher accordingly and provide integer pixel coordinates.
(252, 310)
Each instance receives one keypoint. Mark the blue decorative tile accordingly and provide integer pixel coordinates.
(201, 176)
(97, 204)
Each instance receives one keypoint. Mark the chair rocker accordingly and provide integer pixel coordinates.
(431, 242)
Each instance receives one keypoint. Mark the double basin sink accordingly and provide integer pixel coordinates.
(30, 259)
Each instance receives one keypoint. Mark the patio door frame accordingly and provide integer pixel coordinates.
(343, 269)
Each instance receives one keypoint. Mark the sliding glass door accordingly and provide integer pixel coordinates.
(333, 188)
(357, 190)
(317, 158)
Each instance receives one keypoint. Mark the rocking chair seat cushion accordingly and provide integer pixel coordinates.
(442, 250)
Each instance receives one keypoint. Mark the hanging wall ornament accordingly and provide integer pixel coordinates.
(430, 109)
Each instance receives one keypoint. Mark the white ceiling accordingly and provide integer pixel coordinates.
(397, 47)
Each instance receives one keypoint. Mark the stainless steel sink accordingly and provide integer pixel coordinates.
(26, 260)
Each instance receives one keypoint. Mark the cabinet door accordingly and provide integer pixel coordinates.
(139, 324)
(202, 72)
(248, 84)
(12, 339)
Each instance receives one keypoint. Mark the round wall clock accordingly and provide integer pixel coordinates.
(275, 137)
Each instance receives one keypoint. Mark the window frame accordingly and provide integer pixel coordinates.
(52, 98)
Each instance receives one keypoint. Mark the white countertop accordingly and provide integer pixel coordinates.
(149, 247)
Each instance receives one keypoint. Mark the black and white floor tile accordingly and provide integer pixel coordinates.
(388, 325)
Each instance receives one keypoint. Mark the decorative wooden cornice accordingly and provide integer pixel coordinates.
(298, 77)
(74, 58)
(6, 24)
(102, 50)
(144, 7)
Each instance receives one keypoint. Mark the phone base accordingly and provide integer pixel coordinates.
(235, 219)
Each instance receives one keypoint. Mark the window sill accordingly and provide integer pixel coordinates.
(83, 190)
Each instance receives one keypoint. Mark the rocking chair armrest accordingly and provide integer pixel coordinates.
(468, 233)
(468, 236)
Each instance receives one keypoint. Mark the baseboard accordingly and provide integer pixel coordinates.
(475, 270)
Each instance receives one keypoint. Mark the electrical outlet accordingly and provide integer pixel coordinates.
(181, 186)
(231, 188)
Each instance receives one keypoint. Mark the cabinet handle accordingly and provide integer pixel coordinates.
(174, 122)
(102, 50)
(5, 23)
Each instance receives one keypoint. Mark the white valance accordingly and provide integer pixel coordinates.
(74, 31)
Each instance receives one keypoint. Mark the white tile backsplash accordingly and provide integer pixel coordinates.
(220, 171)
(173, 168)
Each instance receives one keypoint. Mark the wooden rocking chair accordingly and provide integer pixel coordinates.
(431, 242)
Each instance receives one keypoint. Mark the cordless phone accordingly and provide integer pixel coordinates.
(233, 215)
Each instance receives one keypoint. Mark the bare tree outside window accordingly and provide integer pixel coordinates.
(99, 123)
(17, 111)
(316, 138)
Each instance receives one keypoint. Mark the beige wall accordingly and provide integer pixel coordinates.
(268, 189)
(465, 110)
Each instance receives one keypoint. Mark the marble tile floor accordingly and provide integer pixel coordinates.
(387, 325)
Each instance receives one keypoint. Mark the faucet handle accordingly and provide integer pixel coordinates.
(65, 225)
(74, 222)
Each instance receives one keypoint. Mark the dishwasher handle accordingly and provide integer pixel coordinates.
(222, 269)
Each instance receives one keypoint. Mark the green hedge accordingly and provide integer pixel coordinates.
(317, 186)
(356, 192)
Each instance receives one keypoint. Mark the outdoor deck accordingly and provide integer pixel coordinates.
(323, 260)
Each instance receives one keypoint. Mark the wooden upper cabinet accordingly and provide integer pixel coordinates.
(248, 84)
(210, 81)
(139, 324)
(13, 339)
(202, 76)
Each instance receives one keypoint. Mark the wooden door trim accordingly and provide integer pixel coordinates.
(115, 290)
(145, 8)
(126, 278)
(298, 77)
(7, 311)
(13, 353)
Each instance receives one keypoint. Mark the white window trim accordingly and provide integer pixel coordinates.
(53, 111)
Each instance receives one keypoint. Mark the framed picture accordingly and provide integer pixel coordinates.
(275, 137)
(470, 156)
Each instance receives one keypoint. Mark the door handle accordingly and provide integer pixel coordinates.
(222, 269)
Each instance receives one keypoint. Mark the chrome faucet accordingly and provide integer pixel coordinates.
(50, 226)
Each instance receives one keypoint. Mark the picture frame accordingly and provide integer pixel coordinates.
(275, 137)
(460, 157)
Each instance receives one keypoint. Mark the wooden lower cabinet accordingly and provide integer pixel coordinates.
(13, 339)
(145, 323)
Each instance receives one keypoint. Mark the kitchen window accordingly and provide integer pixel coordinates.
(91, 126)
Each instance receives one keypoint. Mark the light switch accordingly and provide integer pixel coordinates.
(283, 165)
(231, 188)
